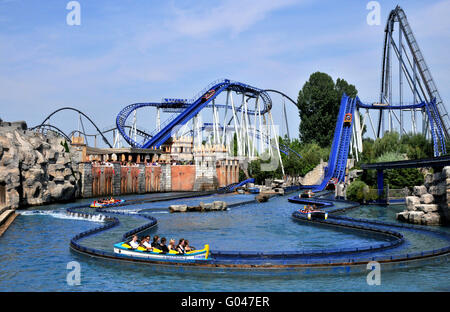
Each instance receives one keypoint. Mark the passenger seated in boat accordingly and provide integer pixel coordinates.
(163, 246)
(146, 243)
(187, 247)
(180, 246)
(155, 243)
(172, 244)
(134, 242)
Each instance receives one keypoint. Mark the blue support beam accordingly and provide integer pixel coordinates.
(380, 182)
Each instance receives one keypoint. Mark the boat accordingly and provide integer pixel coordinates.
(348, 119)
(97, 204)
(307, 194)
(208, 95)
(314, 214)
(254, 190)
(124, 249)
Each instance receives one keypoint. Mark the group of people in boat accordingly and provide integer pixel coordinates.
(159, 245)
(104, 201)
(309, 208)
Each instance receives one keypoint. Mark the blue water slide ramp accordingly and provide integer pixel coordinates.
(344, 145)
(439, 128)
(332, 161)
(242, 183)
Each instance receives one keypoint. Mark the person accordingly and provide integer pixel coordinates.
(155, 243)
(134, 242)
(180, 246)
(163, 246)
(171, 244)
(146, 243)
(187, 247)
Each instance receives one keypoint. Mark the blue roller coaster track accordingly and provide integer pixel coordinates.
(190, 108)
(337, 163)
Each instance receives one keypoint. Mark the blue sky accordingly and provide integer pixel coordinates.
(136, 50)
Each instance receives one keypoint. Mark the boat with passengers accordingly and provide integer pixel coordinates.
(106, 202)
(313, 213)
(124, 248)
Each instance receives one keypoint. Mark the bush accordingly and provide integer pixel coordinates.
(355, 191)
(254, 170)
(359, 191)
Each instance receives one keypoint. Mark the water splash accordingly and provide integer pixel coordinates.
(63, 215)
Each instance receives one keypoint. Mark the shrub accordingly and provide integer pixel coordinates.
(355, 191)
(359, 191)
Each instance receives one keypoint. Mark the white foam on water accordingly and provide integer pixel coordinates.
(62, 215)
(123, 211)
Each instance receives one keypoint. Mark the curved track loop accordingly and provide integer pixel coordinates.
(329, 258)
(81, 113)
(53, 129)
(191, 108)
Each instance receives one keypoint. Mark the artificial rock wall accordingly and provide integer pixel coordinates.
(429, 204)
(34, 169)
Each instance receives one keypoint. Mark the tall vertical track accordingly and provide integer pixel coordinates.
(340, 147)
(413, 67)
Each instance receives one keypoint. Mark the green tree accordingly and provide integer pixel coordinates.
(318, 104)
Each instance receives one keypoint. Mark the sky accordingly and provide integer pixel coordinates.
(143, 50)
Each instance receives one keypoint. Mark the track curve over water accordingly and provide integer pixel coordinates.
(338, 260)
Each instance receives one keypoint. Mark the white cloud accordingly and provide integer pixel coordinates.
(230, 15)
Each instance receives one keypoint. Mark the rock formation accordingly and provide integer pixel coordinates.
(429, 204)
(34, 168)
(214, 206)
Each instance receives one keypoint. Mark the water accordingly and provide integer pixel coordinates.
(35, 250)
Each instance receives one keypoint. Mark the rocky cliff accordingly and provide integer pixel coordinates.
(429, 204)
(34, 169)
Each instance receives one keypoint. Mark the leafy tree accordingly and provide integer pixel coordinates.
(254, 169)
(318, 104)
(401, 178)
(311, 154)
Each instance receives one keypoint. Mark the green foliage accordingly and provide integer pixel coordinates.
(417, 146)
(318, 104)
(413, 146)
(401, 178)
(311, 154)
(392, 147)
(395, 178)
(65, 145)
(390, 156)
(358, 191)
(254, 170)
(235, 145)
(242, 175)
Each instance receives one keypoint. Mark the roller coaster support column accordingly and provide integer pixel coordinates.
(380, 182)
(275, 135)
(158, 119)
